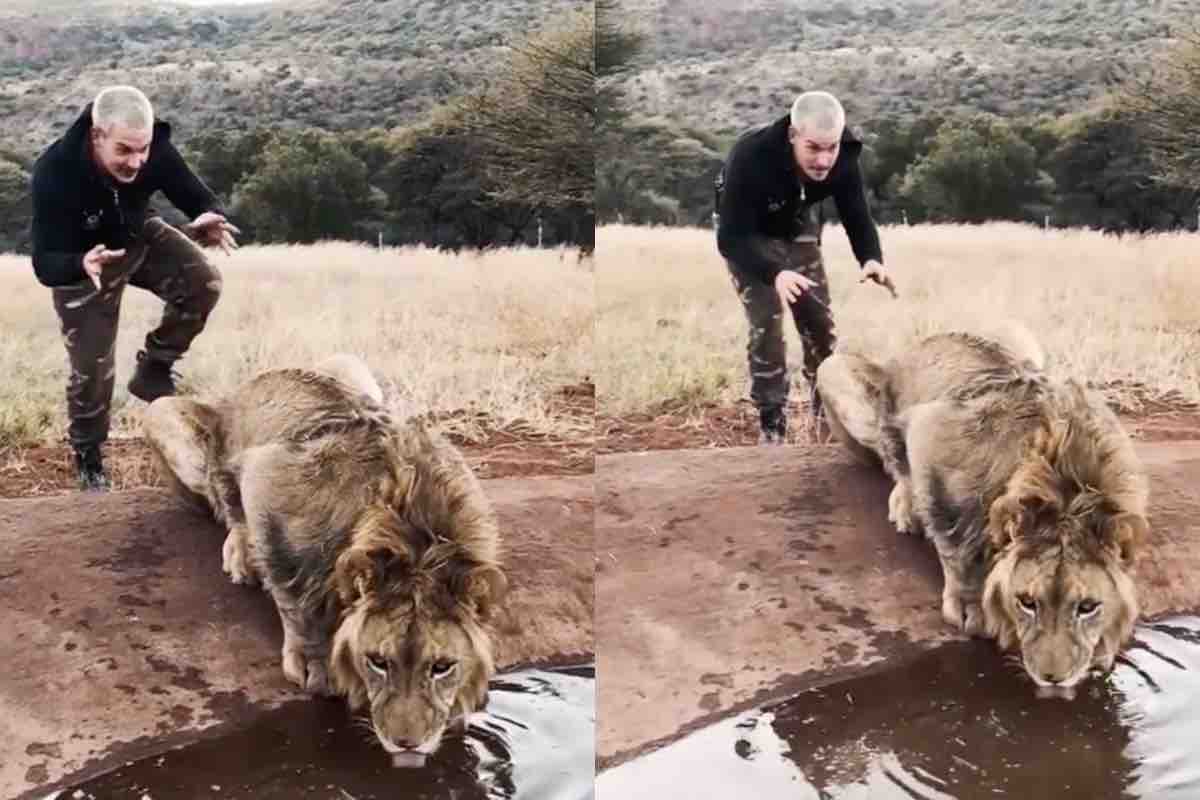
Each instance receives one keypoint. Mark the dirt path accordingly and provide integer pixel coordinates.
(44, 470)
(123, 637)
(737, 426)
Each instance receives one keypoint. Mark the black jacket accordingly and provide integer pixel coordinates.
(759, 193)
(76, 207)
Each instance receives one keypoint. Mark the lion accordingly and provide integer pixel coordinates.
(1028, 487)
(374, 539)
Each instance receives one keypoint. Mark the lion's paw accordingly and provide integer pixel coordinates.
(318, 679)
(233, 558)
(295, 666)
(966, 617)
(972, 619)
(900, 508)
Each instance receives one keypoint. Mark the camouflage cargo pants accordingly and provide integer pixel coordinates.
(766, 348)
(163, 261)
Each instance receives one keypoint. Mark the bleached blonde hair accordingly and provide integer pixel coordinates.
(818, 112)
(122, 105)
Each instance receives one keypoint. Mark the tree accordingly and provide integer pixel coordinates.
(16, 207)
(308, 187)
(439, 194)
(661, 172)
(977, 170)
(617, 45)
(536, 120)
(1167, 98)
(222, 158)
(1103, 171)
(890, 149)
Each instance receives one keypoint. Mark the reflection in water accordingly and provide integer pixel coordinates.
(954, 723)
(534, 741)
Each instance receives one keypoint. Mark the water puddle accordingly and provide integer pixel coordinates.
(534, 741)
(955, 723)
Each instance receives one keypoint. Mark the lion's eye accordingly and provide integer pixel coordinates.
(440, 669)
(378, 664)
(1087, 608)
(1027, 603)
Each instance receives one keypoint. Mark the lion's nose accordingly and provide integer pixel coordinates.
(405, 744)
(1050, 677)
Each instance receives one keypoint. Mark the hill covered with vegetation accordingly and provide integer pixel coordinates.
(1074, 112)
(331, 64)
(465, 124)
(730, 65)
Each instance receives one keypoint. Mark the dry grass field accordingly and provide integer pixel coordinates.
(495, 345)
(1120, 314)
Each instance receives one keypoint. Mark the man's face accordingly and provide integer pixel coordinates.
(815, 151)
(122, 151)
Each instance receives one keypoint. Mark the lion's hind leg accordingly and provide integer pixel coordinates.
(178, 431)
(352, 371)
(849, 386)
(181, 434)
(855, 394)
(1018, 340)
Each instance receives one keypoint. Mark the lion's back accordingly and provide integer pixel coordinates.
(289, 405)
(957, 363)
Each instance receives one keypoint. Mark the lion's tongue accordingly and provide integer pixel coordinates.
(408, 759)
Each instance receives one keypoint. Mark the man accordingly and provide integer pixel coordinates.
(768, 194)
(93, 233)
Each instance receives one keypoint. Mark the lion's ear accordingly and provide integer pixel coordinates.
(482, 587)
(1124, 534)
(1016, 513)
(361, 570)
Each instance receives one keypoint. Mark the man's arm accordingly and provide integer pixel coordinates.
(183, 187)
(738, 237)
(56, 261)
(850, 197)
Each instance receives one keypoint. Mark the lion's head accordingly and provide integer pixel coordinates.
(414, 648)
(419, 585)
(1060, 591)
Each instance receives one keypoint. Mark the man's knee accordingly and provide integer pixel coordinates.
(209, 290)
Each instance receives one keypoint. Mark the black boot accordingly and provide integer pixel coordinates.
(89, 462)
(773, 420)
(152, 379)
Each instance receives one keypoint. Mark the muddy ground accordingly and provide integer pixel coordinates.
(124, 638)
(732, 578)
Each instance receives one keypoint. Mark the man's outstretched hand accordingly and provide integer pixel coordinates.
(211, 229)
(96, 259)
(790, 285)
(874, 271)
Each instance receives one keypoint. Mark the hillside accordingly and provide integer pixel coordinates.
(337, 64)
(724, 67)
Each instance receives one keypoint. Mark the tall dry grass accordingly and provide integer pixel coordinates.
(495, 334)
(1121, 314)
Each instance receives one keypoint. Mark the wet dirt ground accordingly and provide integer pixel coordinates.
(534, 741)
(727, 579)
(123, 638)
(952, 723)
